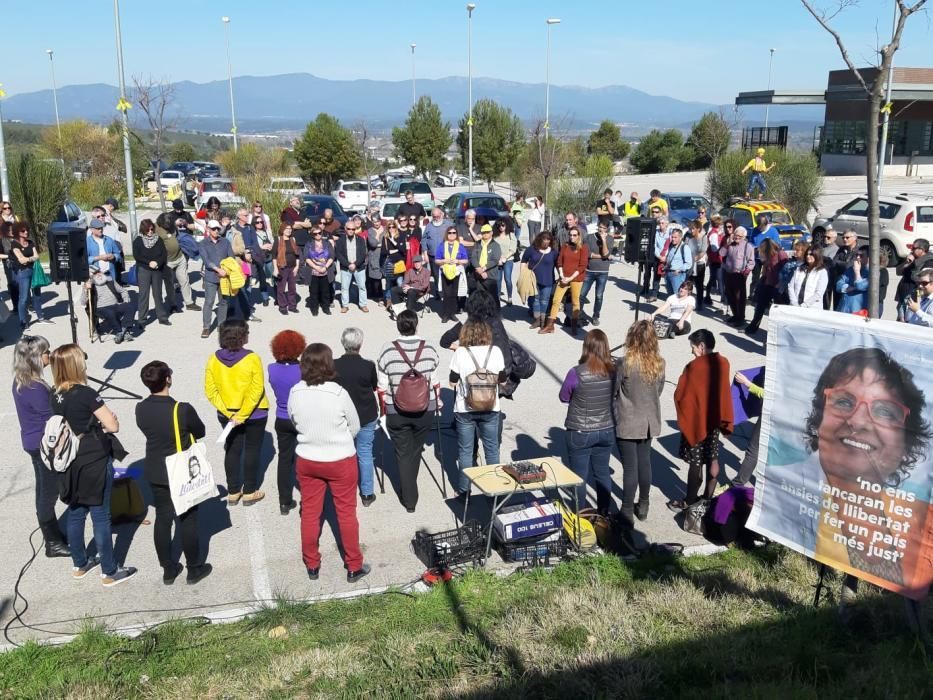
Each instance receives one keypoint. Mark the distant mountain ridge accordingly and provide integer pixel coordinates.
(289, 101)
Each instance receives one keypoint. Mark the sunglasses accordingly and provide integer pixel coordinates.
(6, 208)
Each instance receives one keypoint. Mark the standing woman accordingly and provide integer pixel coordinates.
(699, 246)
(394, 251)
(738, 261)
(587, 389)
(807, 286)
(637, 409)
(535, 215)
(717, 240)
(6, 213)
(156, 419)
(327, 423)
(285, 373)
(151, 258)
(571, 268)
(31, 397)
(451, 257)
(374, 237)
(234, 384)
(319, 256)
(772, 259)
(6, 255)
(508, 244)
(285, 260)
(704, 411)
(24, 255)
(540, 258)
(86, 485)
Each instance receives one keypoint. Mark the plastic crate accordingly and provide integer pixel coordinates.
(465, 545)
(535, 553)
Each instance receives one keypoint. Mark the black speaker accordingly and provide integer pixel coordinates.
(68, 255)
(639, 239)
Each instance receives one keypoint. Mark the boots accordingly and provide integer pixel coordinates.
(574, 323)
(641, 510)
(538, 321)
(55, 545)
(548, 327)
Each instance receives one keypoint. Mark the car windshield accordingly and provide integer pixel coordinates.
(355, 187)
(169, 175)
(779, 217)
(416, 187)
(314, 208)
(496, 203)
(685, 202)
(218, 186)
(390, 210)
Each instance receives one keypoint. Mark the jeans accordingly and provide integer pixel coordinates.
(150, 279)
(589, 453)
(46, 489)
(24, 283)
(750, 460)
(391, 281)
(100, 522)
(759, 180)
(636, 473)
(486, 424)
(541, 300)
(408, 433)
(11, 283)
(243, 445)
(534, 228)
(212, 292)
(364, 454)
(358, 276)
(187, 526)
(340, 477)
(115, 317)
(287, 439)
(505, 274)
(600, 279)
(673, 280)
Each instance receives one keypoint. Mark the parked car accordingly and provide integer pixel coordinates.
(69, 216)
(170, 178)
(313, 206)
(421, 190)
(353, 194)
(185, 166)
(221, 187)
(682, 207)
(746, 212)
(207, 169)
(904, 218)
(388, 208)
(288, 186)
(489, 205)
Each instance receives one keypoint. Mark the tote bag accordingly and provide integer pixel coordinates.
(190, 476)
(39, 276)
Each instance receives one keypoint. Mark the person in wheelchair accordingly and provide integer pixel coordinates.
(108, 306)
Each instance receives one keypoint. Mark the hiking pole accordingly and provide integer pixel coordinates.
(91, 325)
(440, 441)
(382, 455)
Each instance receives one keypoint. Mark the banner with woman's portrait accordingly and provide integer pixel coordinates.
(845, 471)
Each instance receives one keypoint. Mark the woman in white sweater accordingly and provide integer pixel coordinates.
(807, 286)
(327, 423)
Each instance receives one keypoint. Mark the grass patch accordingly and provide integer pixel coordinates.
(734, 624)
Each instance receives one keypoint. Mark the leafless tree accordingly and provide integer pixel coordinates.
(548, 155)
(874, 92)
(361, 136)
(155, 99)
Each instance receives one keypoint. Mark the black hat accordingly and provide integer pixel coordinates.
(112, 202)
(178, 204)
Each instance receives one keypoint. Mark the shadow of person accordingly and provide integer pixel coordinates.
(746, 344)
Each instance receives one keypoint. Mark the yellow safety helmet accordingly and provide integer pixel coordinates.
(760, 151)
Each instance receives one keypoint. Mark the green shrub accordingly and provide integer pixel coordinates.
(37, 189)
(93, 191)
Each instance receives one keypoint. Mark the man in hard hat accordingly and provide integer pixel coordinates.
(759, 167)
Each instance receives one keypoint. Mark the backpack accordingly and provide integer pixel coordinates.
(481, 385)
(59, 445)
(412, 395)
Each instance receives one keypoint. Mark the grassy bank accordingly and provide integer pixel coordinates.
(732, 625)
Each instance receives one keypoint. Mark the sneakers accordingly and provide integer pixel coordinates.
(367, 501)
(170, 573)
(206, 333)
(164, 322)
(197, 573)
(192, 307)
(354, 576)
(595, 320)
(314, 573)
(286, 508)
(118, 338)
(80, 572)
(123, 573)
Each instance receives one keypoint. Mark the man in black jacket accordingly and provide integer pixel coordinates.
(351, 255)
(411, 207)
(917, 260)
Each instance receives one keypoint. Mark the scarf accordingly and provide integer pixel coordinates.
(483, 253)
(803, 288)
(149, 239)
(451, 270)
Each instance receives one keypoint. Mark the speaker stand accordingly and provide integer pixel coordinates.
(74, 339)
(638, 280)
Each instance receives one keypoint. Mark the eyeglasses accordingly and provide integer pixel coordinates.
(351, 228)
(729, 226)
(7, 208)
(883, 412)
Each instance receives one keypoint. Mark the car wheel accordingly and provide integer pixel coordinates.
(889, 248)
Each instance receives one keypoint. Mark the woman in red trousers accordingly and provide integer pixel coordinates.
(327, 423)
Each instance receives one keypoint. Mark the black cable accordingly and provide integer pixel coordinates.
(18, 614)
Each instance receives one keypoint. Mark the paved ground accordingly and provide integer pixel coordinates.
(255, 551)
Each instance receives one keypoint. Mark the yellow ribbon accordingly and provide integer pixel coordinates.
(233, 130)
(887, 108)
(123, 105)
(2, 91)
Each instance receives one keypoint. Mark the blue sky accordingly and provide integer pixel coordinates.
(703, 50)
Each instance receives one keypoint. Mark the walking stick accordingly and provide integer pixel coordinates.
(91, 321)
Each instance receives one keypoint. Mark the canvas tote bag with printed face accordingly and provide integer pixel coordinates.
(190, 476)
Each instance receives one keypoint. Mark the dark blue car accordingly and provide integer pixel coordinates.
(682, 207)
(314, 205)
(486, 204)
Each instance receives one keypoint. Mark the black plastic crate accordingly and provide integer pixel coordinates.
(442, 550)
(535, 552)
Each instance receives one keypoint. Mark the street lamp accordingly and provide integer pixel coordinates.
(226, 21)
(768, 104)
(470, 7)
(58, 124)
(547, 78)
(123, 106)
(413, 45)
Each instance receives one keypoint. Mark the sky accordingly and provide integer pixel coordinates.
(703, 50)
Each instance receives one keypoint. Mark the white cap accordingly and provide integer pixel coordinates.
(214, 224)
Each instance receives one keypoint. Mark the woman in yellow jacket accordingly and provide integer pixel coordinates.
(234, 384)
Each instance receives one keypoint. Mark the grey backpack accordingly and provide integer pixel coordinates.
(482, 386)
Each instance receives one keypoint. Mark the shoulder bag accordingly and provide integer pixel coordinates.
(190, 476)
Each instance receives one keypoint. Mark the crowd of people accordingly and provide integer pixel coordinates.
(327, 410)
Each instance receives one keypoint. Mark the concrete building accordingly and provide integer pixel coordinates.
(842, 137)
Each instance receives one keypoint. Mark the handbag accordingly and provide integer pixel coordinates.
(663, 328)
(399, 268)
(39, 276)
(132, 276)
(694, 517)
(190, 476)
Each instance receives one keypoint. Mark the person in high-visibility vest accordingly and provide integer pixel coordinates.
(632, 207)
(759, 167)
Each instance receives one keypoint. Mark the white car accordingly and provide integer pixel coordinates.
(288, 186)
(904, 218)
(352, 194)
(170, 178)
(220, 187)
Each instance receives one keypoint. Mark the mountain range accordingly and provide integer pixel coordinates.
(288, 102)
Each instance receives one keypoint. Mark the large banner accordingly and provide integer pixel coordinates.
(845, 471)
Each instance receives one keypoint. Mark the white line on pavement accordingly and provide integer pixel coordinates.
(262, 590)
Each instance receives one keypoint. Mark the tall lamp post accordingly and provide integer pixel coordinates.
(551, 21)
(413, 45)
(58, 123)
(470, 7)
(123, 106)
(226, 21)
(768, 106)
(4, 180)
